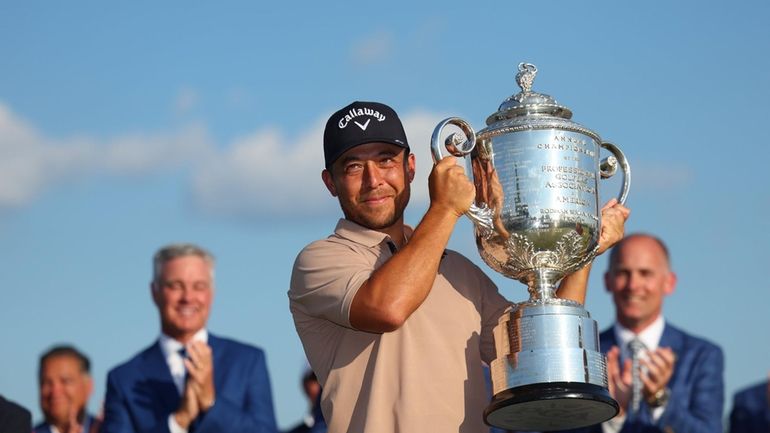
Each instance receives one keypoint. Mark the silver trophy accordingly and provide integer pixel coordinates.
(536, 219)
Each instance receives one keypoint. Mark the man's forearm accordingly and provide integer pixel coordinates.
(395, 290)
(574, 286)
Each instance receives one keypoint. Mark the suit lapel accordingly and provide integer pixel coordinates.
(159, 379)
(218, 351)
(607, 339)
(671, 338)
(674, 339)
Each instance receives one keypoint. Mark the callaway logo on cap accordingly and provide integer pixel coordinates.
(361, 123)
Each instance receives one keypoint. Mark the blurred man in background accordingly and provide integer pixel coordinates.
(14, 418)
(676, 383)
(751, 409)
(65, 387)
(312, 389)
(189, 379)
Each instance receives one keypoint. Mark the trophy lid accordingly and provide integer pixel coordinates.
(527, 102)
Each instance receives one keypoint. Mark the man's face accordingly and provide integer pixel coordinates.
(183, 295)
(64, 389)
(312, 389)
(371, 182)
(639, 280)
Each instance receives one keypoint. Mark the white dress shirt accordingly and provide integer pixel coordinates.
(170, 349)
(650, 337)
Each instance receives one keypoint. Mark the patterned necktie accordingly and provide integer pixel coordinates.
(636, 347)
(183, 354)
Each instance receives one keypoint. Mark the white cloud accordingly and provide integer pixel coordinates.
(29, 161)
(261, 174)
(266, 174)
(373, 49)
(145, 153)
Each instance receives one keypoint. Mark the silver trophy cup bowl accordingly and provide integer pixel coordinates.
(536, 219)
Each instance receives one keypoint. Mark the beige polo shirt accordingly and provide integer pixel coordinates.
(424, 377)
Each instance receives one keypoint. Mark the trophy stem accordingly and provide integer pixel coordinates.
(542, 287)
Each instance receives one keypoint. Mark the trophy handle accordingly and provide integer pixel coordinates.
(460, 147)
(609, 166)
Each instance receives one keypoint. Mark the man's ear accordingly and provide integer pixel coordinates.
(411, 164)
(89, 384)
(155, 293)
(670, 283)
(326, 176)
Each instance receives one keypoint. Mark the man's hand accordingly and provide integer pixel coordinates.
(620, 379)
(73, 425)
(450, 187)
(660, 368)
(188, 407)
(614, 216)
(200, 373)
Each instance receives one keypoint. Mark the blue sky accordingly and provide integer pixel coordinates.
(126, 127)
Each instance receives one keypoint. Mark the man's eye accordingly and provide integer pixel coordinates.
(174, 285)
(353, 168)
(201, 286)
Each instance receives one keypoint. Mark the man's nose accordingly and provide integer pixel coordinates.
(187, 292)
(56, 388)
(372, 175)
(634, 281)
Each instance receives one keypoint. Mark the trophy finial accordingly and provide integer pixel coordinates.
(526, 76)
(528, 102)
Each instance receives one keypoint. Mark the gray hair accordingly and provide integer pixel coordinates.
(173, 251)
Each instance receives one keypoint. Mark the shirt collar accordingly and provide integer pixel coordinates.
(170, 346)
(86, 425)
(650, 335)
(361, 235)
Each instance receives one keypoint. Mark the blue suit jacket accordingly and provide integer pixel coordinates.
(697, 387)
(44, 427)
(141, 393)
(14, 418)
(751, 412)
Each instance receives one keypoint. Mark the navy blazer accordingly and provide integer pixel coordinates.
(141, 393)
(751, 410)
(14, 418)
(697, 387)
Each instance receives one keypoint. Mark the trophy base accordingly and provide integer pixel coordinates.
(550, 406)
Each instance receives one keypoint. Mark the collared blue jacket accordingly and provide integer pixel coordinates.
(141, 393)
(697, 387)
(751, 410)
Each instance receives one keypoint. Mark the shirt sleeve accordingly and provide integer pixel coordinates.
(174, 426)
(613, 425)
(326, 278)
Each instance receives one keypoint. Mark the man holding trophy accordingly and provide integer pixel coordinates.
(396, 326)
